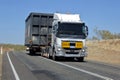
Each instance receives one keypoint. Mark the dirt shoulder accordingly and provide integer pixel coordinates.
(107, 51)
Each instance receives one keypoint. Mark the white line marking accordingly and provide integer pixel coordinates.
(13, 68)
(81, 70)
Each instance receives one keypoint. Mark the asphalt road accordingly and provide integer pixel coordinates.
(21, 66)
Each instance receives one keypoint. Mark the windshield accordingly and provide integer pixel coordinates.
(71, 29)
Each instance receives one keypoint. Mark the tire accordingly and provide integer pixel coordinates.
(50, 57)
(55, 58)
(49, 53)
(31, 52)
(41, 54)
(80, 59)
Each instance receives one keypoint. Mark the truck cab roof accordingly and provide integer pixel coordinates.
(67, 17)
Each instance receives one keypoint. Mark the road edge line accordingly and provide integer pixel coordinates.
(13, 68)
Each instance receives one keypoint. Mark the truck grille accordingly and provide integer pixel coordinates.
(72, 52)
(72, 48)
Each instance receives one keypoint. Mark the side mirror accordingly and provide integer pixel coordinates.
(86, 31)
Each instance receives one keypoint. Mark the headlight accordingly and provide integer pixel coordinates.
(59, 49)
(84, 49)
(27, 49)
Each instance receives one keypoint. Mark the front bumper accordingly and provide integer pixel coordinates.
(71, 53)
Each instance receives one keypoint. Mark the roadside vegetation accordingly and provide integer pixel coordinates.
(104, 47)
(104, 35)
(12, 47)
(107, 51)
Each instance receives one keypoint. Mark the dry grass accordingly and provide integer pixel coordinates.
(9, 47)
(107, 51)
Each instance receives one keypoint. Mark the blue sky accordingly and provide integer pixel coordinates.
(103, 14)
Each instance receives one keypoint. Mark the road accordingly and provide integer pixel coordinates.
(21, 66)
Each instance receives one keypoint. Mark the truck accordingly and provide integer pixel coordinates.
(58, 35)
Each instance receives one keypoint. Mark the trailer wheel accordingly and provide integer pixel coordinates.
(31, 52)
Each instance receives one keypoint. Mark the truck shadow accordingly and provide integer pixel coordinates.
(71, 60)
(34, 54)
(60, 59)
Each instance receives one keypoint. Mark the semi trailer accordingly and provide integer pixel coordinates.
(57, 35)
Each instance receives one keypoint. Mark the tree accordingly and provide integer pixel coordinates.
(94, 38)
(105, 34)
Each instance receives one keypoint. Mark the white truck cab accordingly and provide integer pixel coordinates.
(68, 37)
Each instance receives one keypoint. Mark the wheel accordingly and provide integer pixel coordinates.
(31, 52)
(49, 56)
(81, 59)
(55, 58)
(49, 53)
(41, 54)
